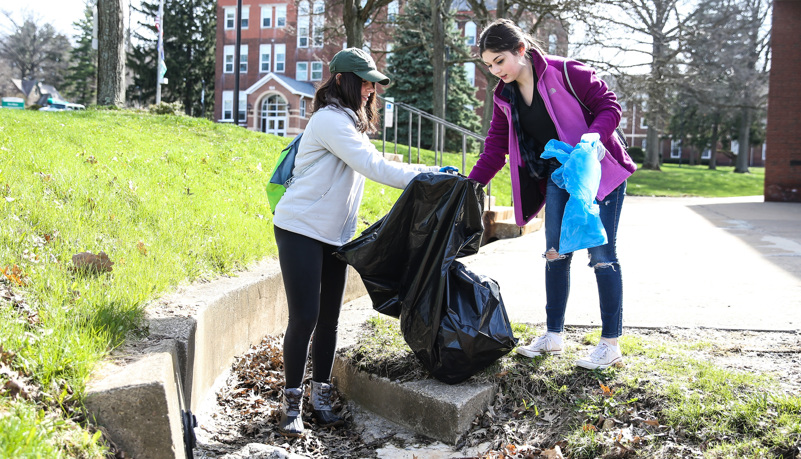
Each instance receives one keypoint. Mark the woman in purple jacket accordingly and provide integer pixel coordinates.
(534, 104)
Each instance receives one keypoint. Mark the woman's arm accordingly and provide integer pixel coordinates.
(496, 147)
(596, 95)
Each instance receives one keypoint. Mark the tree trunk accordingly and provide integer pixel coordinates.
(354, 26)
(651, 149)
(110, 53)
(713, 154)
(744, 146)
(438, 57)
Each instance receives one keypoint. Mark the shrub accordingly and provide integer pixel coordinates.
(637, 154)
(165, 108)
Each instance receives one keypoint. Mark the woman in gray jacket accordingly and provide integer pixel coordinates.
(317, 214)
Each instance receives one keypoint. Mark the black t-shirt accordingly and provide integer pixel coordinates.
(535, 122)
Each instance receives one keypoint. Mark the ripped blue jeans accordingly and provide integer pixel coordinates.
(603, 259)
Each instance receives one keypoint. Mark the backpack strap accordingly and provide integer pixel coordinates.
(570, 85)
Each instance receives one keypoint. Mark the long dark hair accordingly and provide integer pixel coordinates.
(348, 93)
(504, 35)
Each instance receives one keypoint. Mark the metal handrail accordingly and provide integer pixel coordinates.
(439, 135)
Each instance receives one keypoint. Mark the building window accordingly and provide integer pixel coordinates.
(470, 33)
(706, 154)
(266, 17)
(316, 71)
(280, 57)
(228, 52)
(302, 107)
(319, 23)
(624, 122)
(230, 18)
(264, 58)
(552, 42)
(303, 24)
(228, 105)
(643, 124)
(245, 16)
(243, 59)
(280, 16)
(302, 71)
(392, 11)
(470, 70)
(675, 148)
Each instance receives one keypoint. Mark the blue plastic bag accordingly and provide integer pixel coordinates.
(579, 175)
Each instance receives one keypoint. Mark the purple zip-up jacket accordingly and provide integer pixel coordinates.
(571, 121)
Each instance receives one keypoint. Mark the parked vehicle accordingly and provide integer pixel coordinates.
(55, 105)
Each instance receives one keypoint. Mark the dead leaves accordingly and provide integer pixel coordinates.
(89, 263)
(15, 275)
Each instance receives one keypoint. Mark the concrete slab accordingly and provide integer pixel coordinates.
(731, 263)
(431, 408)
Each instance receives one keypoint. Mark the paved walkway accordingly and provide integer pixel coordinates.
(732, 263)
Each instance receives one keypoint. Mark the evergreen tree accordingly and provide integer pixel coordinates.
(189, 40)
(412, 72)
(81, 79)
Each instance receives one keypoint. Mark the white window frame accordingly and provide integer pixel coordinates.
(280, 16)
(304, 24)
(228, 104)
(624, 122)
(470, 33)
(318, 24)
(245, 16)
(267, 16)
(228, 59)
(553, 42)
(280, 58)
(392, 11)
(675, 149)
(302, 71)
(470, 71)
(707, 153)
(243, 58)
(268, 61)
(230, 18)
(643, 124)
(316, 68)
(302, 108)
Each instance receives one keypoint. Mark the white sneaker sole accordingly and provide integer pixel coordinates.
(618, 362)
(531, 354)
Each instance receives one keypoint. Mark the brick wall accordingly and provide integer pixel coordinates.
(783, 155)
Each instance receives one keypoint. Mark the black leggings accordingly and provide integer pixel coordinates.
(314, 280)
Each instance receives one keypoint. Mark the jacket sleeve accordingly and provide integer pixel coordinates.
(496, 147)
(343, 140)
(596, 95)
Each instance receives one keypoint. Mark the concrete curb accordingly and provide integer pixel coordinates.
(138, 394)
(428, 407)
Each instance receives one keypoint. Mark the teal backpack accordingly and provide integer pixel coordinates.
(282, 174)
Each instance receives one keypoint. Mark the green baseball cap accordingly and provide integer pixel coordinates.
(357, 61)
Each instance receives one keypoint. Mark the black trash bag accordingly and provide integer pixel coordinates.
(453, 320)
(474, 330)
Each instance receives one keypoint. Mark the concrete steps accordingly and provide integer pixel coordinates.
(499, 223)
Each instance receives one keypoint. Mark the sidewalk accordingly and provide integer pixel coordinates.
(731, 263)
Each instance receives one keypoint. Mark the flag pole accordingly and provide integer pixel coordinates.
(159, 51)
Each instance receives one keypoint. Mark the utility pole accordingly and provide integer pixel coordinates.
(160, 50)
(236, 60)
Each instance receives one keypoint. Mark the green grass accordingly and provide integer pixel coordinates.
(675, 180)
(169, 199)
(726, 413)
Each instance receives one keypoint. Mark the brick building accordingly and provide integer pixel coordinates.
(285, 47)
(783, 165)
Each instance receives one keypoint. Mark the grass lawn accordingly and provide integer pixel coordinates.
(168, 200)
(684, 180)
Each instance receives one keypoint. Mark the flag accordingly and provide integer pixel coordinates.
(162, 67)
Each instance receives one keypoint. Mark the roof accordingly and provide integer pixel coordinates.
(301, 88)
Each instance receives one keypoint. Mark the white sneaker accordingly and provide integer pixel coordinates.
(549, 343)
(603, 356)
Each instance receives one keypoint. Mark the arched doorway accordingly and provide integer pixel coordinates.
(274, 115)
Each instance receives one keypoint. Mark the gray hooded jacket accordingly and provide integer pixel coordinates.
(332, 162)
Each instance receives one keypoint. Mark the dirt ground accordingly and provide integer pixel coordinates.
(241, 421)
